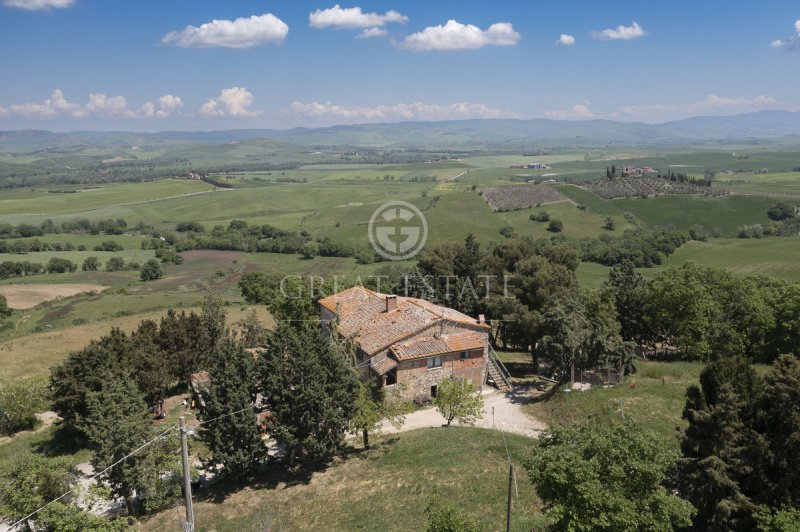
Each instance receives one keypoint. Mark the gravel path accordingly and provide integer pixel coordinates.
(500, 410)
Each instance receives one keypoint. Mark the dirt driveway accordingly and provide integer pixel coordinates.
(500, 410)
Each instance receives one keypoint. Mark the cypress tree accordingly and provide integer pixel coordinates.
(310, 391)
(234, 440)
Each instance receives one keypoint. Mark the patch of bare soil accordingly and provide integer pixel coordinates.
(28, 295)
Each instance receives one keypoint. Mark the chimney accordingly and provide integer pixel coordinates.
(481, 319)
(391, 303)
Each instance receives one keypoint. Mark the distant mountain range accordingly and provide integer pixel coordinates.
(476, 133)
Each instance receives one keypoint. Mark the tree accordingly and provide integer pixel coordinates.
(234, 440)
(716, 461)
(778, 420)
(59, 517)
(310, 249)
(118, 422)
(59, 265)
(115, 264)
(310, 391)
(609, 225)
(567, 331)
(212, 319)
(455, 399)
(605, 477)
(780, 211)
(5, 310)
(372, 406)
(84, 372)
(91, 264)
(251, 332)
(555, 226)
(32, 481)
(151, 270)
(444, 517)
(629, 298)
(781, 520)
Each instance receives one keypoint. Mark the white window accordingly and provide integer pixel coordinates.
(434, 362)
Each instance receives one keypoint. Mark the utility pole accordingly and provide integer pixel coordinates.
(187, 479)
(510, 486)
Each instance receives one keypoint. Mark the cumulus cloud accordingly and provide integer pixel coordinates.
(708, 105)
(577, 111)
(235, 101)
(792, 44)
(456, 36)
(99, 105)
(239, 33)
(167, 106)
(37, 5)
(620, 33)
(369, 33)
(55, 105)
(565, 40)
(352, 18)
(328, 111)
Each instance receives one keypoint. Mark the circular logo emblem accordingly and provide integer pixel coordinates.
(398, 230)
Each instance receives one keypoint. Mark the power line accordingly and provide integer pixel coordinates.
(17, 523)
(147, 443)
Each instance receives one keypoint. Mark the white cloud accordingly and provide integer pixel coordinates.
(620, 33)
(106, 106)
(36, 5)
(369, 33)
(792, 44)
(167, 105)
(239, 33)
(566, 40)
(51, 107)
(99, 105)
(328, 111)
(352, 18)
(230, 102)
(708, 105)
(578, 111)
(456, 36)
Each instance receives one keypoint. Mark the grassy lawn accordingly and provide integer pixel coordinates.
(385, 488)
(654, 397)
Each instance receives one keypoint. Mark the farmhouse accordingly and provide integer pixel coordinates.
(408, 341)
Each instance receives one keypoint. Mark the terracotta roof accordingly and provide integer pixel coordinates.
(431, 345)
(384, 366)
(362, 312)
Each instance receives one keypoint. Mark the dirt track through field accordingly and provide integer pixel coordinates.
(28, 295)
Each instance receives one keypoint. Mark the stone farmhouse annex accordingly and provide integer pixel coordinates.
(409, 341)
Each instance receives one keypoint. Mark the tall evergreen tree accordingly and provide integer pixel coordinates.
(718, 445)
(234, 440)
(778, 421)
(310, 391)
(118, 422)
(629, 299)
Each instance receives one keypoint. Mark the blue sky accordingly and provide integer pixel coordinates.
(154, 65)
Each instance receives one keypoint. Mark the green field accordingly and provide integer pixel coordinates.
(385, 488)
(775, 256)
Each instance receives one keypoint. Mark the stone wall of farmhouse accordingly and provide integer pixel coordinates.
(418, 379)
